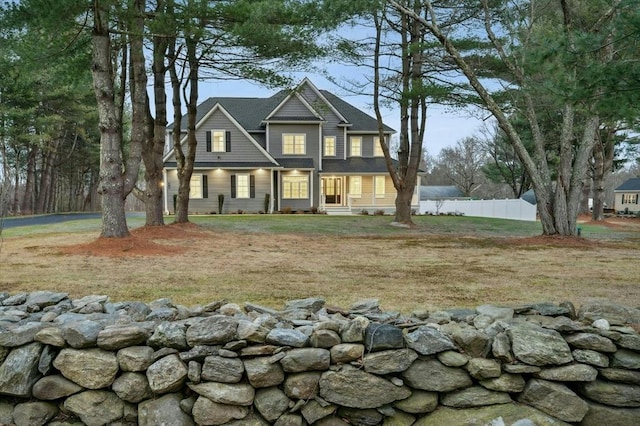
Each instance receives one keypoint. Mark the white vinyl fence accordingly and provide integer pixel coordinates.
(517, 209)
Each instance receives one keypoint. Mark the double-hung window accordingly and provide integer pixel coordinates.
(379, 186)
(629, 198)
(198, 187)
(330, 146)
(242, 186)
(294, 144)
(355, 186)
(217, 141)
(356, 146)
(377, 148)
(295, 187)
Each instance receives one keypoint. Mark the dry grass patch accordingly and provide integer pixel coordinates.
(196, 265)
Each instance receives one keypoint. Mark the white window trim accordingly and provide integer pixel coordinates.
(248, 177)
(352, 180)
(304, 144)
(384, 186)
(223, 144)
(192, 188)
(325, 146)
(299, 179)
(351, 139)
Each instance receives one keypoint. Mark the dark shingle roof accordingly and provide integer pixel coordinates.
(250, 112)
(632, 184)
(358, 119)
(356, 165)
(296, 163)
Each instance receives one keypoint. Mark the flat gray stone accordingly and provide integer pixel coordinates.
(351, 387)
(612, 393)
(380, 337)
(599, 415)
(495, 312)
(287, 337)
(81, 334)
(89, 368)
(512, 383)
(95, 407)
(569, 373)
(43, 299)
(538, 346)
(306, 359)
(164, 410)
(483, 368)
(346, 352)
(586, 356)
(169, 335)
(19, 371)
(390, 361)
(311, 304)
(474, 396)
(271, 403)
(213, 330)
(224, 370)
(225, 393)
(167, 374)
(419, 402)
(36, 413)
(135, 358)
(263, 373)
(54, 387)
(554, 399)
(625, 358)
(432, 375)
(18, 335)
(492, 415)
(621, 375)
(614, 313)
(132, 387)
(591, 341)
(428, 341)
(453, 358)
(114, 338)
(302, 385)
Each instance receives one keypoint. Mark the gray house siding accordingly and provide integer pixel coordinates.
(311, 139)
(299, 204)
(293, 107)
(242, 149)
(219, 182)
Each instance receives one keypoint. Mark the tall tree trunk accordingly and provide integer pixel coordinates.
(154, 144)
(185, 162)
(603, 154)
(111, 180)
(29, 187)
(49, 156)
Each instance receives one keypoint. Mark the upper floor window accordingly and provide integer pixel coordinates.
(219, 141)
(629, 198)
(294, 144)
(356, 146)
(377, 148)
(330, 146)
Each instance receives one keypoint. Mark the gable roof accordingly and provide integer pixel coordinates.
(632, 184)
(251, 112)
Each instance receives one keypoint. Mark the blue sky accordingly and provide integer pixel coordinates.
(444, 127)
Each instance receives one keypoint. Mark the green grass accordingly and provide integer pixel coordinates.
(339, 225)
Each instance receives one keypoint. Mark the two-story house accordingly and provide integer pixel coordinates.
(306, 148)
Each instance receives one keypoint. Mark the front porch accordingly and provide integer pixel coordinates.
(353, 194)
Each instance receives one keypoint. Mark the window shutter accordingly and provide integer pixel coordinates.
(205, 187)
(208, 133)
(252, 186)
(227, 136)
(233, 186)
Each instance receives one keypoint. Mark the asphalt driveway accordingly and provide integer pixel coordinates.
(48, 219)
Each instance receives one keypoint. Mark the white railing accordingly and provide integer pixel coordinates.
(516, 209)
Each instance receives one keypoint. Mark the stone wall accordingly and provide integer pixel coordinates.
(90, 361)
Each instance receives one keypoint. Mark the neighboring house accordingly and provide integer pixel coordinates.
(627, 196)
(440, 192)
(306, 148)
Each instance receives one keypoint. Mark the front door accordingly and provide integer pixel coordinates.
(332, 188)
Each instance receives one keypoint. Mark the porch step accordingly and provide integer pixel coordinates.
(338, 211)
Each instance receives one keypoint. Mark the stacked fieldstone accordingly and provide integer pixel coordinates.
(94, 362)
